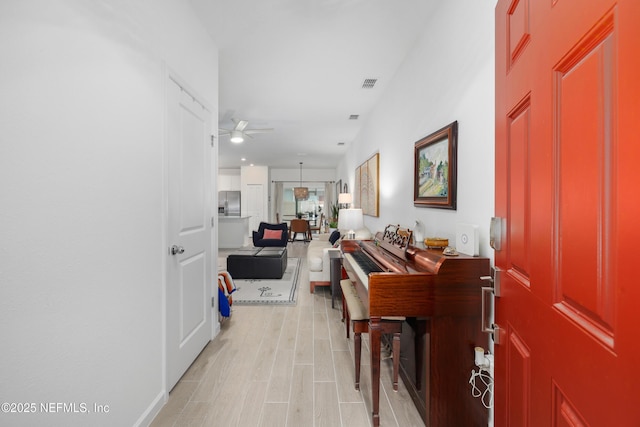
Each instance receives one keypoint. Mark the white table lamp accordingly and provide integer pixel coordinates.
(345, 199)
(350, 220)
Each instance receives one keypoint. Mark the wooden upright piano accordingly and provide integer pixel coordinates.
(440, 296)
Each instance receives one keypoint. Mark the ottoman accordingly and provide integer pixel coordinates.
(258, 263)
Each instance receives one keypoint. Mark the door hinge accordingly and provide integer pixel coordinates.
(212, 222)
(213, 137)
(213, 301)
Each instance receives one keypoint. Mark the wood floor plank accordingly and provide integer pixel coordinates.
(301, 402)
(345, 377)
(327, 409)
(337, 331)
(252, 404)
(274, 414)
(266, 351)
(304, 347)
(355, 415)
(280, 380)
(195, 414)
(322, 360)
(178, 400)
(289, 331)
(204, 361)
(320, 326)
(215, 380)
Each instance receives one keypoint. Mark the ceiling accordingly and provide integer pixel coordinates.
(298, 66)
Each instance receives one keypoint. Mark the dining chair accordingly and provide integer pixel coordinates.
(299, 226)
(318, 225)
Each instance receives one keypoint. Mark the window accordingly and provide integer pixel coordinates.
(309, 208)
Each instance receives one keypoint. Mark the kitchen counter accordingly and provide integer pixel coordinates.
(233, 231)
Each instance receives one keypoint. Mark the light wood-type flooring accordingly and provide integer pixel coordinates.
(278, 366)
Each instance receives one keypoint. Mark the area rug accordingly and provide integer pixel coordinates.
(269, 291)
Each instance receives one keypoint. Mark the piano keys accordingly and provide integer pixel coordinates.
(441, 298)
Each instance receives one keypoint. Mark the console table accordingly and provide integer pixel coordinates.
(335, 274)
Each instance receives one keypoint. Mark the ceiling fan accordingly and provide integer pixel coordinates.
(240, 131)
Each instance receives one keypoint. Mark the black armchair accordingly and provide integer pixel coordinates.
(276, 235)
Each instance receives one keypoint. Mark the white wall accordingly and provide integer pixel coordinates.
(81, 211)
(448, 76)
(293, 175)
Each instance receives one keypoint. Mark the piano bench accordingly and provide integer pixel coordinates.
(356, 313)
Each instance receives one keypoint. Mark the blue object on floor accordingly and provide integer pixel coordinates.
(223, 304)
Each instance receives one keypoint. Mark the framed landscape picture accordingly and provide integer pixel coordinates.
(435, 169)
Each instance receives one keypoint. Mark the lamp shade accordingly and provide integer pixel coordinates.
(350, 220)
(301, 193)
(345, 198)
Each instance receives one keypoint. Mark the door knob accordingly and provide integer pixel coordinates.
(175, 249)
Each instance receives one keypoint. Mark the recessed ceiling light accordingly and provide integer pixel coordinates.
(243, 159)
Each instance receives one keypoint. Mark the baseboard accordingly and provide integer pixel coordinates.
(153, 410)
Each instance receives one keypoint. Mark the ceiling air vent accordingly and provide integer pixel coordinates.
(341, 143)
(354, 117)
(369, 83)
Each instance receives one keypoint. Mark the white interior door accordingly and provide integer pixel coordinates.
(255, 205)
(189, 269)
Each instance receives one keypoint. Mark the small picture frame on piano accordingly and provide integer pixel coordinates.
(435, 169)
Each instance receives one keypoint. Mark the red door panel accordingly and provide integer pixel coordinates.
(518, 135)
(567, 177)
(584, 92)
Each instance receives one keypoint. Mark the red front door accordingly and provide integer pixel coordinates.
(568, 189)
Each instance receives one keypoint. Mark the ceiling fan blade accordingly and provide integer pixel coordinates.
(251, 131)
(241, 125)
(224, 131)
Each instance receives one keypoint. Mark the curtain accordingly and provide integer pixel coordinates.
(277, 201)
(329, 198)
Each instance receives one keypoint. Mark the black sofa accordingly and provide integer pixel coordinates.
(260, 241)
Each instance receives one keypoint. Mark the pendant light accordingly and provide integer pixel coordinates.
(301, 193)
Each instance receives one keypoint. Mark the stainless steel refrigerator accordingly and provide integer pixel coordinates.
(229, 203)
